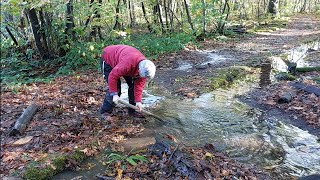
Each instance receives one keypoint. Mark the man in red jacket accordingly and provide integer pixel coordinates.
(127, 62)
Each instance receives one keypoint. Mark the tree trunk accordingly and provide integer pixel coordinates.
(264, 6)
(68, 31)
(96, 29)
(145, 16)
(222, 22)
(12, 36)
(89, 17)
(258, 13)
(171, 14)
(24, 119)
(160, 16)
(50, 39)
(36, 32)
(43, 34)
(22, 24)
(203, 17)
(273, 7)
(117, 23)
(303, 8)
(69, 20)
(130, 14)
(133, 13)
(188, 14)
(166, 13)
(295, 5)
(155, 14)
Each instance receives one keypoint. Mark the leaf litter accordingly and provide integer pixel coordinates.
(68, 119)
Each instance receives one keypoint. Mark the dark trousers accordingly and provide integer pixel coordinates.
(108, 104)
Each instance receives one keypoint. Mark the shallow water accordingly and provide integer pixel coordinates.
(248, 135)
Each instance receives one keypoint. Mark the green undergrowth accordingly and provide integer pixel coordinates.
(269, 25)
(229, 76)
(36, 171)
(18, 68)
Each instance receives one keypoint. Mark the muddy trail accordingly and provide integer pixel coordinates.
(250, 134)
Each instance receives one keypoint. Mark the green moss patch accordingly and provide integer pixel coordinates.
(269, 25)
(307, 69)
(36, 172)
(227, 77)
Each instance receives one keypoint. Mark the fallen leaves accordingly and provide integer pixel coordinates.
(9, 156)
(22, 141)
(304, 105)
(67, 120)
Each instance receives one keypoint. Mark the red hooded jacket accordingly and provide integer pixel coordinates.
(124, 61)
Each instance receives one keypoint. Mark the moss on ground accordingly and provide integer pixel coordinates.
(285, 76)
(269, 25)
(78, 156)
(227, 77)
(59, 164)
(307, 69)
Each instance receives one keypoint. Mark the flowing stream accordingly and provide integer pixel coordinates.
(249, 135)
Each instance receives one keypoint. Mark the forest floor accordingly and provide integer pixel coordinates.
(68, 119)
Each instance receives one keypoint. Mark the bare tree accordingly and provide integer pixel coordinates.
(203, 17)
(36, 32)
(11, 36)
(188, 14)
(304, 5)
(160, 15)
(117, 23)
(145, 16)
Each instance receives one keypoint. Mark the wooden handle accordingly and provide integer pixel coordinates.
(137, 109)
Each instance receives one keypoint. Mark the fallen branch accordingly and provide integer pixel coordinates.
(24, 119)
(181, 161)
(307, 88)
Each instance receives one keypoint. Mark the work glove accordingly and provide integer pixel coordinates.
(115, 99)
(139, 105)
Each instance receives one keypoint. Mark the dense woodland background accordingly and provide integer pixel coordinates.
(53, 37)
